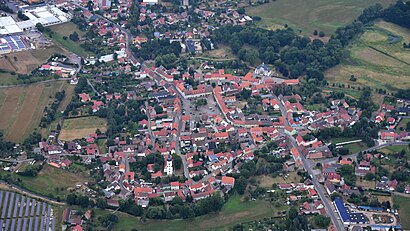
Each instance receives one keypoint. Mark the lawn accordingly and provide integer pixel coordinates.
(234, 211)
(356, 147)
(343, 139)
(21, 108)
(77, 128)
(310, 15)
(63, 31)
(404, 211)
(51, 180)
(377, 59)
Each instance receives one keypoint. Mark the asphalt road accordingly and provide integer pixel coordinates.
(307, 164)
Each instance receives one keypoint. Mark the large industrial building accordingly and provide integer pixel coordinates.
(11, 44)
(348, 217)
(44, 14)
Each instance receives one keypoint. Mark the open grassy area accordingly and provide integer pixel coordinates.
(64, 30)
(234, 211)
(395, 149)
(268, 181)
(53, 180)
(78, 128)
(310, 15)
(21, 108)
(402, 124)
(377, 59)
(356, 147)
(24, 62)
(343, 139)
(404, 211)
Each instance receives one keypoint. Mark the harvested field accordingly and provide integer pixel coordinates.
(78, 128)
(21, 108)
(25, 116)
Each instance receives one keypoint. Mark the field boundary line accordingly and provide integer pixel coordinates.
(391, 56)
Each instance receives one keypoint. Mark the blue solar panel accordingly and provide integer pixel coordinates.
(1, 198)
(27, 207)
(6, 200)
(36, 224)
(16, 206)
(53, 225)
(7, 225)
(19, 224)
(21, 206)
(24, 224)
(33, 206)
(13, 224)
(10, 205)
(30, 224)
(42, 223)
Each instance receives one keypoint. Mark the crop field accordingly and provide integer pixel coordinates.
(21, 108)
(376, 59)
(64, 30)
(26, 61)
(24, 213)
(233, 212)
(310, 15)
(77, 128)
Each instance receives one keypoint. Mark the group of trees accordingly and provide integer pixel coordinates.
(50, 112)
(292, 54)
(175, 209)
(6, 147)
(168, 51)
(31, 170)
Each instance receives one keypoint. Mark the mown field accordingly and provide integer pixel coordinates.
(77, 128)
(234, 211)
(377, 59)
(21, 108)
(310, 15)
(64, 30)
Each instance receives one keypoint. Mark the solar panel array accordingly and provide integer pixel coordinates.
(21, 213)
(11, 43)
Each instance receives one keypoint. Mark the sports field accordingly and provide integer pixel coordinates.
(376, 59)
(78, 128)
(21, 108)
(310, 15)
